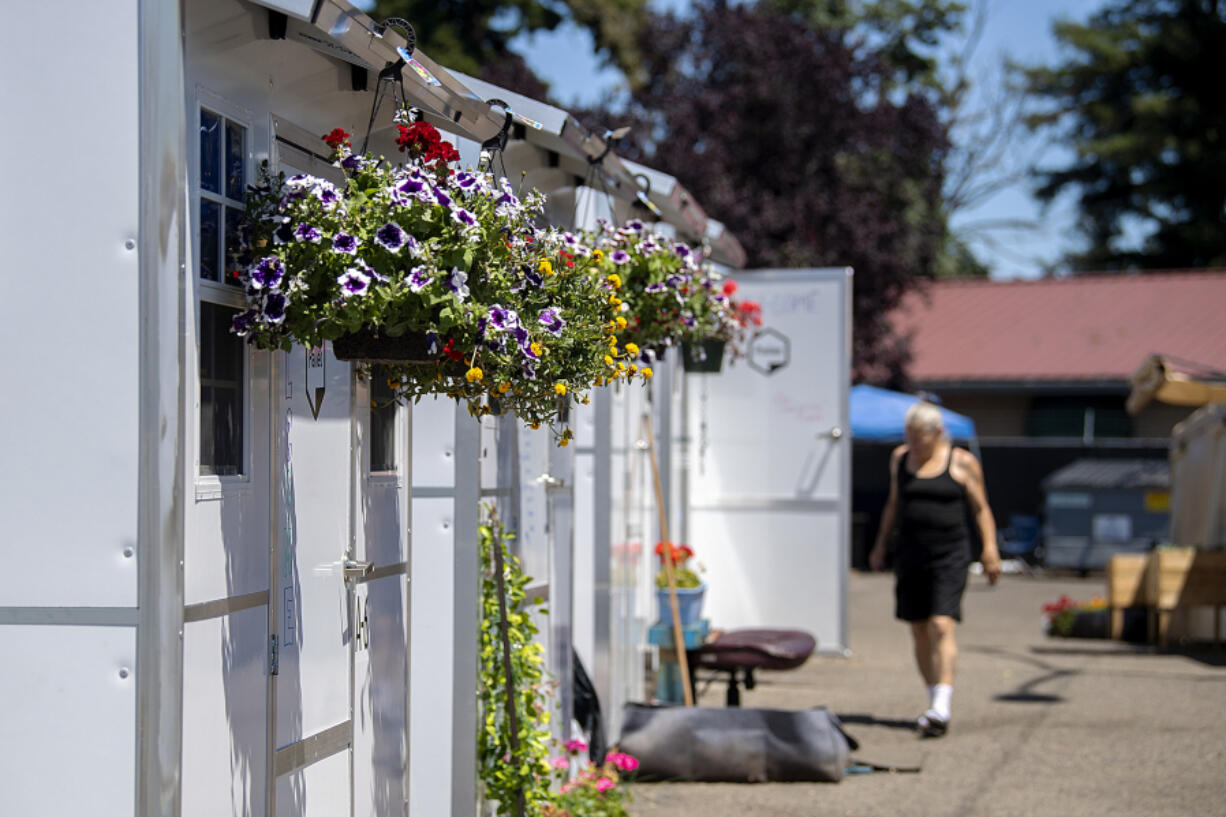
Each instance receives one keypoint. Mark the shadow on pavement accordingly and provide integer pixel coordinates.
(1204, 654)
(862, 719)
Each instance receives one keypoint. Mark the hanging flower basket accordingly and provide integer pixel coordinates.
(670, 295)
(704, 356)
(440, 275)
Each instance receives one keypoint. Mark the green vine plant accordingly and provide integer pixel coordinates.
(513, 741)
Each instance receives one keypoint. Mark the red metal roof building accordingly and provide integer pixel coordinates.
(1028, 358)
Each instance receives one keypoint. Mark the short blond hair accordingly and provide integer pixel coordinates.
(924, 416)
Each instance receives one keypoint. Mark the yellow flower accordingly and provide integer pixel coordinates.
(562, 443)
(474, 374)
(608, 360)
(614, 300)
(612, 340)
(647, 373)
(621, 322)
(621, 367)
(600, 381)
(503, 388)
(585, 401)
(559, 388)
(393, 383)
(614, 280)
(633, 368)
(632, 349)
(534, 426)
(536, 347)
(597, 255)
(610, 327)
(546, 268)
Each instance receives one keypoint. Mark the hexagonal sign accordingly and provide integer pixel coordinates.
(769, 351)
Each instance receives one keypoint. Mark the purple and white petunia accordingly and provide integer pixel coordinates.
(688, 320)
(442, 198)
(412, 186)
(390, 237)
(551, 319)
(529, 370)
(345, 243)
(457, 282)
(620, 257)
(681, 250)
(267, 273)
(676, 280)
(274, 307)
(635, 225)
(353, 163)
(326, 193)
(649, 247)
(464, 218)
(419, 277)
(308, 233)
(503, 319)
(243, 322)
(432, 346)
(655, 287)
(353, 282)
(533, 277)
(466, 182)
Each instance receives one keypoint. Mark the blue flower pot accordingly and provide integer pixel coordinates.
(689, 605)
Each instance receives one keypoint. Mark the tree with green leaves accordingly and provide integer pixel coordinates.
(1138, 100)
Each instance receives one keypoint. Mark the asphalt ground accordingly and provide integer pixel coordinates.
(1041, 725)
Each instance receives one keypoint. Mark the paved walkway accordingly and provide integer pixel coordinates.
(1041, 726)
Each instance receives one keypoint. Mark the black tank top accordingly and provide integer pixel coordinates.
(932, 516)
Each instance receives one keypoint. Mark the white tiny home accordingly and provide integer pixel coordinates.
(213, 584)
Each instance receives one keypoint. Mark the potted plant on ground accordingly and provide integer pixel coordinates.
(689, 586)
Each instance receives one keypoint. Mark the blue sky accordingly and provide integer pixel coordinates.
(1020, 29)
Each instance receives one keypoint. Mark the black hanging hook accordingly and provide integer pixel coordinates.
(392, 74)
(499, 140)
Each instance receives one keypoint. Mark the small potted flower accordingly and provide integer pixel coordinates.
(440, 275)
(690, 588)
(1069, 618)
(721, 320)
(590, 789)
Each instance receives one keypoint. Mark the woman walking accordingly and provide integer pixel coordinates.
(932, 485)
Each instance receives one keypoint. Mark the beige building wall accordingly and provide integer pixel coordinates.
(994, 415)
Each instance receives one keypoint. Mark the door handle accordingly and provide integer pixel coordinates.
(835, 433)
(353, 569)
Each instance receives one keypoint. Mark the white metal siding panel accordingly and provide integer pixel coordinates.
(68, 730)
(69, 312)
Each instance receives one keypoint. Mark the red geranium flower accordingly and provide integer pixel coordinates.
(729, 288)
(336, 137)
(455, 354)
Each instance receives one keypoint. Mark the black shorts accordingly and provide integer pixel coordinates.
(930, 589)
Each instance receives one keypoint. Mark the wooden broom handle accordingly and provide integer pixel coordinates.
(667, 557)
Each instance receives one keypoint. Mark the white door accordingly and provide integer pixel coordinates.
(769, 462)
(312, 688)
(313, 599)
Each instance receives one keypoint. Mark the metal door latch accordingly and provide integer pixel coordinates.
(353, 569)
(835, 433)
(550, 481)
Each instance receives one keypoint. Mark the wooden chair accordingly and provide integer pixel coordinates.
(1126, 587)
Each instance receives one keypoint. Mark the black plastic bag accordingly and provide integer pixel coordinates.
(735, 745)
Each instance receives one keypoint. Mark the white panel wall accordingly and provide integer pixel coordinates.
(69, 315)
(70, 710)
(225, 717)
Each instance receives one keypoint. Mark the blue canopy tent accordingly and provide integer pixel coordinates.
(877, 416)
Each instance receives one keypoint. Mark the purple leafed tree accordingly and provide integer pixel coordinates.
(798, 140)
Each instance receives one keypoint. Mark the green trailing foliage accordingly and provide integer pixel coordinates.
(511, 767)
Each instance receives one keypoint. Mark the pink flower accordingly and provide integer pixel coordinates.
(627, 763)
(561, 763)
(603, 785)
(575, 746)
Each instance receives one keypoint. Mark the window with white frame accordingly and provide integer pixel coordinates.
(223, 186)
(382, 422)
(220, 191)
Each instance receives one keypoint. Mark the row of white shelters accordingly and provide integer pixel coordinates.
(254, 593)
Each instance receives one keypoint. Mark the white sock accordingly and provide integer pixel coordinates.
(932, 691)
(941, 699)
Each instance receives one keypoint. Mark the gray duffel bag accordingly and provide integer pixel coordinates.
(735, 745)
